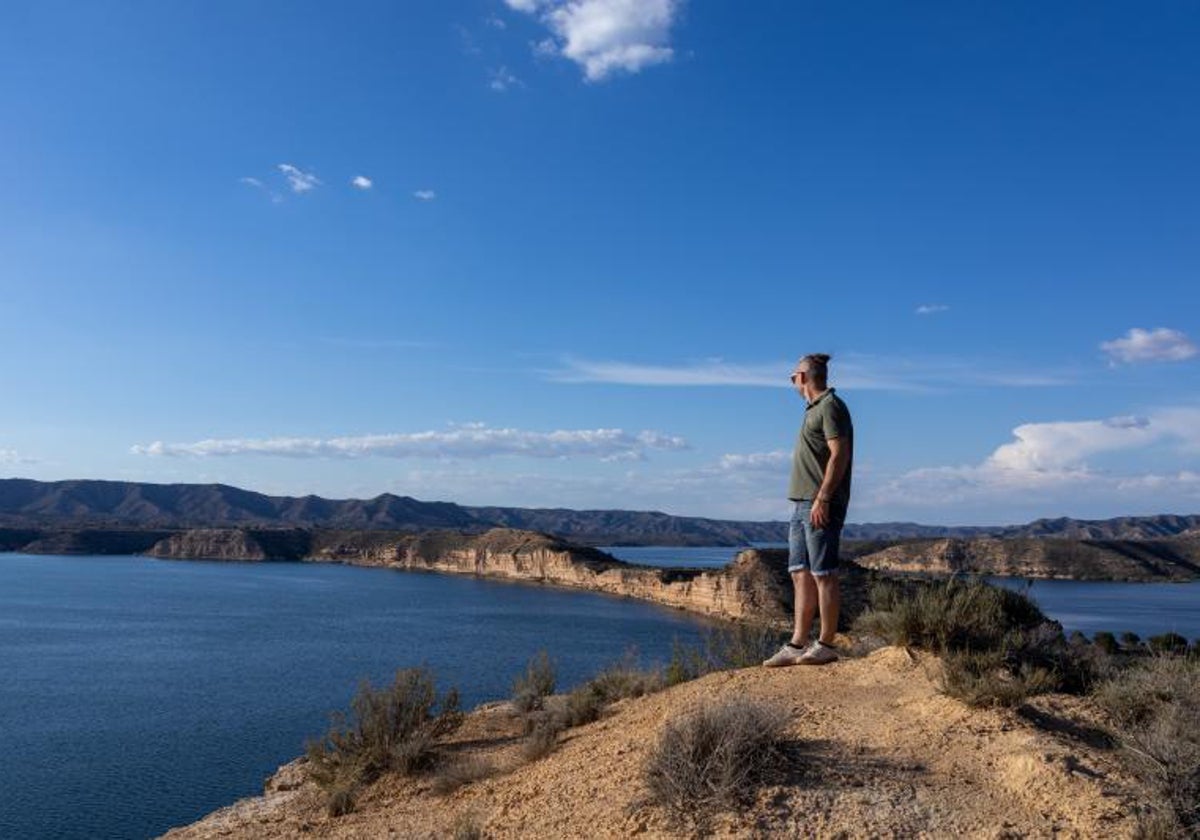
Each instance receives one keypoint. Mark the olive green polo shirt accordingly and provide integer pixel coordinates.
(825, 418)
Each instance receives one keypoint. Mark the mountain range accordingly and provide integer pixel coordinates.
(90, 503)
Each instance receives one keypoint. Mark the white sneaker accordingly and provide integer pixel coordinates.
(818, 654)
(789, 654)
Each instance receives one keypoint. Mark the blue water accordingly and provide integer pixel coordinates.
(1144, 608)
(138, 694)
(1147, 609)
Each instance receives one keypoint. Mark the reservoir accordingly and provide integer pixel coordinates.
(139, 694)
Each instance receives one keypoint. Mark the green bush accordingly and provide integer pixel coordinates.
(1106, 641)
(531, 689)
(987, 679)
(392, 729)
(948, 615)
(1154, 707)
(997, 646)
(713, 758)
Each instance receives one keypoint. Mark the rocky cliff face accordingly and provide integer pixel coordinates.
(232, 544)
(1177, 559)
(754, 586)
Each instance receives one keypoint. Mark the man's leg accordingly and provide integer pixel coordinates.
(829, 592)
(806, 607)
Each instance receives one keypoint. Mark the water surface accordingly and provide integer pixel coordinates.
(137, 694)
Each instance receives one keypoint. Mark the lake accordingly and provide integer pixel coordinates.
(139, 694)
(1144, 608)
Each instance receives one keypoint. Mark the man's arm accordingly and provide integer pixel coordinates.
(839, 459)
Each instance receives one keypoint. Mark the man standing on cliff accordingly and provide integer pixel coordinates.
(820, 492)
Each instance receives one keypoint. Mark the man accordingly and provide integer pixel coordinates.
(820, 491)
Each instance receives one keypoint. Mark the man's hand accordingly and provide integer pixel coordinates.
(820, 513)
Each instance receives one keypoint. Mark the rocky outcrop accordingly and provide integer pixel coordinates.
(1133, 560)
(233, 544)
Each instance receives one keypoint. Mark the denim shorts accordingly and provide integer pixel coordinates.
(814, 549)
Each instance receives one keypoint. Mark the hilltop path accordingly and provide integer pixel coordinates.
(882, 754)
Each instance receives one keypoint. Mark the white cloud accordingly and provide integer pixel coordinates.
(299, 180)
(770, 462)
(253, 182)
(529, 6)
(467, 441)
(361, 182)
(1050, 463)
(502, 79)
(1157, 345)
(425, 195)
(12, 456)
(932, 308)
(606, 36)
(857, 372)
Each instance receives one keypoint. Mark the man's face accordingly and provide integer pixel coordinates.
(799, 377)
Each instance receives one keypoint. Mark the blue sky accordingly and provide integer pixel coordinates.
(565, 252)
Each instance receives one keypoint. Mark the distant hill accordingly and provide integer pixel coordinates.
(84, 503)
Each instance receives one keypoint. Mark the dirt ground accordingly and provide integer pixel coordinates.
(876, 751)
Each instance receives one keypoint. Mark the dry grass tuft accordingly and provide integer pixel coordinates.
(714, 758)
(1154, 707)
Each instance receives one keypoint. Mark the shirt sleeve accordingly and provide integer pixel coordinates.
(837, 422)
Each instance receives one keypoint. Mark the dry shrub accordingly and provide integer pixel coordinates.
(741, 645)
(713, 759)
(531, 689)
(985, 679)
(617, 682)
(997, 646)
(461, 771)
(543, 738)
(1155, 711)
(468, 826)
(392, 729)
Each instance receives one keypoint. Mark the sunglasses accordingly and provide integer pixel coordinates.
(797, 375)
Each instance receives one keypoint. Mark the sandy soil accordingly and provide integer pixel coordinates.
(879, 753)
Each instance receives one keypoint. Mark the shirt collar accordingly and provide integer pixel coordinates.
(824, 394)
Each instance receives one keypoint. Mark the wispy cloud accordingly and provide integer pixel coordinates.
(770, 462)
(425, 195)
(361, 182)
(299, 180)
(1157, 345)
(606, 36)
(858, 372)
(12, 456)
(932, 308)
(255, 183)
(502, 79)
(468, 441)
